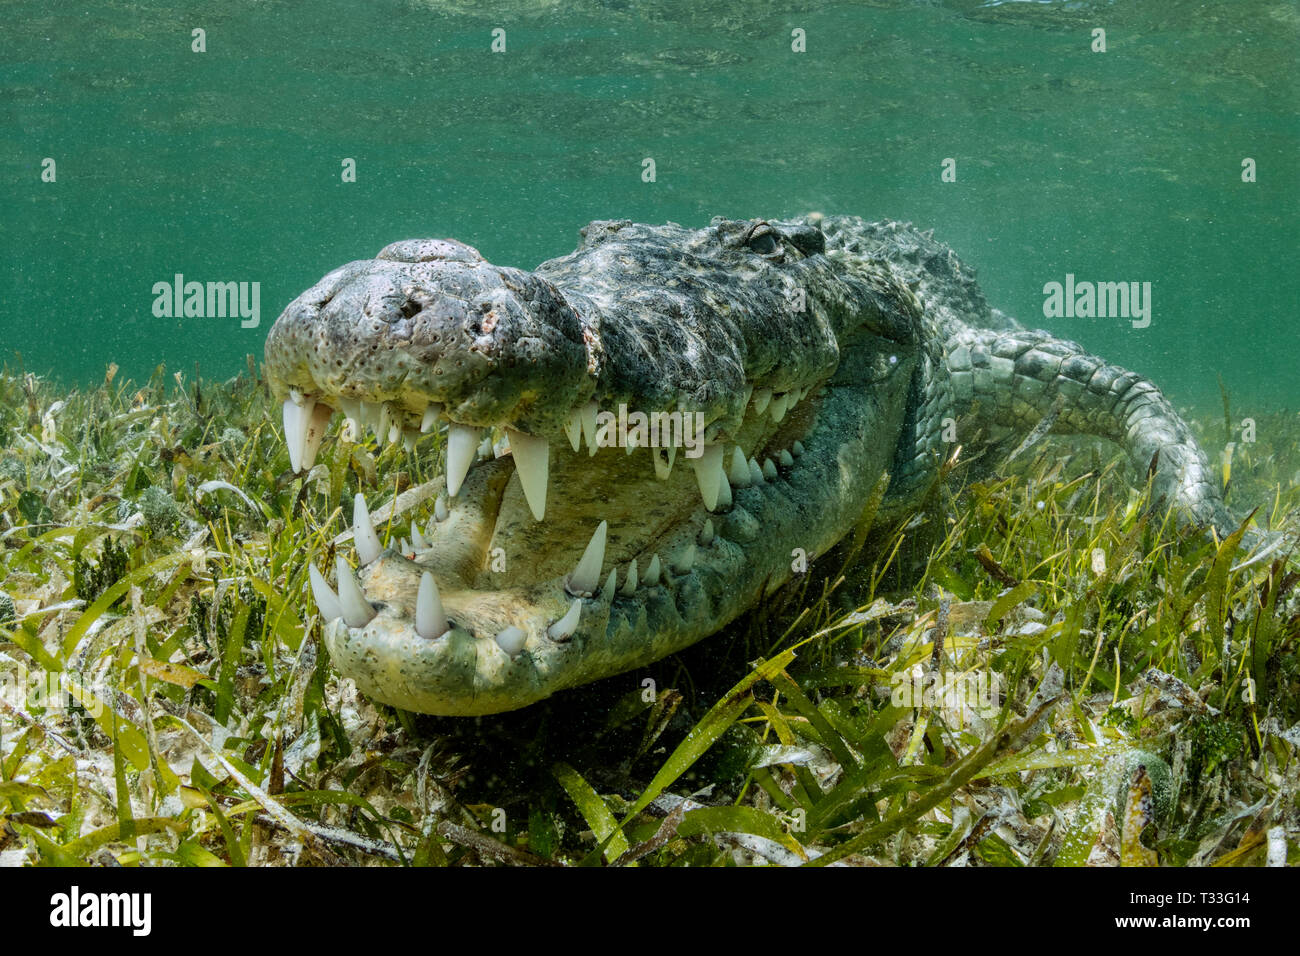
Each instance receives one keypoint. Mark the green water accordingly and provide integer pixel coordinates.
(225, 165)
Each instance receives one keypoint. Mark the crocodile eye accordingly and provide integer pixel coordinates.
(764, 244)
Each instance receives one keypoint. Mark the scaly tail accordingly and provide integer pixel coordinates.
(1010, 383)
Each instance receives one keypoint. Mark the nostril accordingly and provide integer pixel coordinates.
(410, 308)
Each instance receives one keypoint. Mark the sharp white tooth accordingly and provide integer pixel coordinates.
(797, 448)
(738, 471)
(461, 442)
(586, 576)
(351, 408)
(356, 610)
(652, 571)
(755, 473)
(372, 415)
(724, 492)
(363, 532)
(432, 412)
(511, 640)
(588, 415)
(533, 465)
(296, 396)
(629, 583)
(394, 433)
(485, 449)
(326, 599)
(662, 468)
(430, 621)
(780, 405)
(762, 398)
(563, 629)
(573, 429)
(409, 437)
(295, 432)
(351, 431)
(708, 473)
(685, 560)
(404, 546)
(611, 585)
(787, 460)
(417, 539)
(706, 533)
(316, 423)
(769, 469)
(440, 508)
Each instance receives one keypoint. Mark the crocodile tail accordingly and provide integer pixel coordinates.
(1013, 386)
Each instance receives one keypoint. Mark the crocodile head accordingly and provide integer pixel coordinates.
(691, 415)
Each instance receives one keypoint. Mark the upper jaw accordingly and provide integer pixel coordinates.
(430, 322)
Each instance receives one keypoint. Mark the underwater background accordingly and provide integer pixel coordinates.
(1123, 165)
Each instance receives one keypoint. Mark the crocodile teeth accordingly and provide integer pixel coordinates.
(706, 533)
(708, 473)
(532, 464)
(440, 508)
(563, 628)
(780, 405)
(611, 585)
(724, 493)
(769, 470)
(664, 458)
(588, 416)
(326, 599)
(755, 473)
(738, 471)
(762, 398)
(417, 539)
(356, 610)
(372, 414)
(511, 640)
(629, 583)
(586, 576)
(787, 460)
(363, 532)
(462, 440)
(797, 448)
(573, 429)
(351, 408)
(394, 433)
(296, 416)
(404, 547)
(430, 621)
(431, 415)
(685, 560)
(652, 571)
(316, 423)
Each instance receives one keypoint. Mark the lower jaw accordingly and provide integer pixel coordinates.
(802, 512)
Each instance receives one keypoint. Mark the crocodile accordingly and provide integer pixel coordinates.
(684, 415)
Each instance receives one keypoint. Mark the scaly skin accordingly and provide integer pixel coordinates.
(875, 334)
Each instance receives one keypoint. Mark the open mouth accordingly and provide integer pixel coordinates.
(532, 544)
(640, 439)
